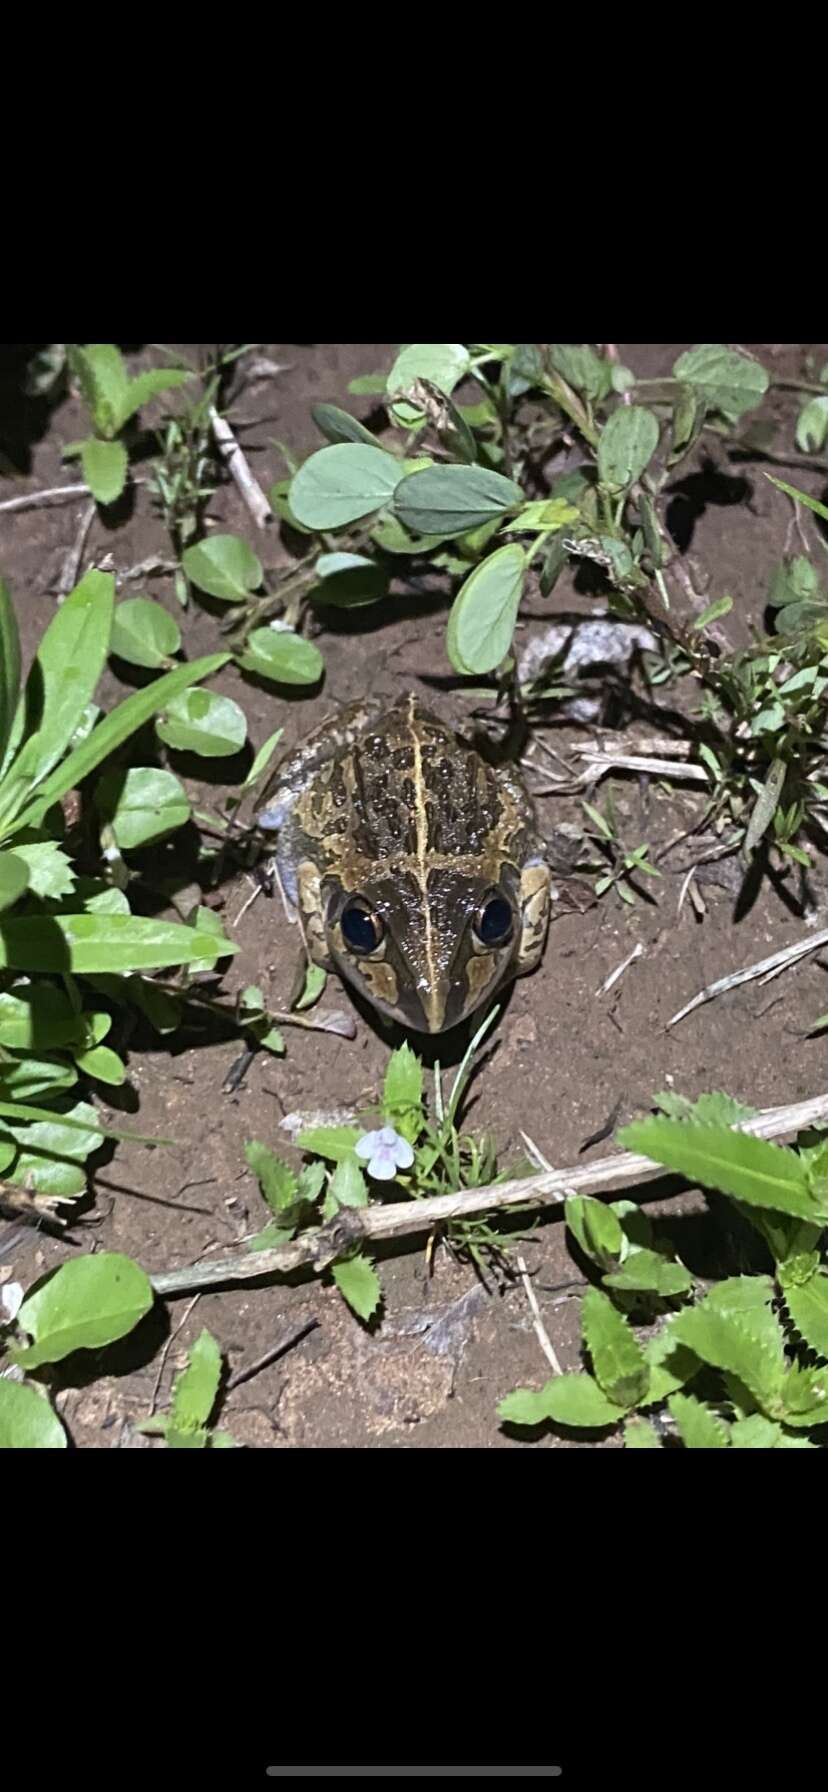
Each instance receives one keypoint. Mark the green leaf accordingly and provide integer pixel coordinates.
(483, 616)
(67, 665)
(451, 500)
(29, 1078)
(339, 485)
(403, 1085)
(104, 468)
(671, 1364)
(141, 806)
(14, 878)
(628, 442)
(27, 1421)
(807, 1308)
(738, 1342)
(582, 368)
(715, 1107)
(223, 566)
(149, 385)
(792, 491)
(199, 721)
(541, 517)
(647, 1272)
(754, 1170)
(347, 1187)
(195, 1389)
(114, 730)
(100, 370)
(804, 1397)
(574, 1400)
(331, 1142)
(698, 1427)
(50, 872)
(359, 1285)
(340, 426)
(276, 1179)
(282, 656)
(597, 1229)
(349, 581)
(618, 1361)
(721, 607)
(367, 385)
(89, 943)
(37, 1015)
(755, 1433)
(102, 1064)
(262, 759)
(443, 363)
(313, 987)
(812, 426)
(9, 666)
(143, 633)
(767, 803)
(88, 1302)
(74, 1134)
(728, 381)
(640, 1434)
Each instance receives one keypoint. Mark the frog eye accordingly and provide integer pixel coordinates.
(362, 928)
(494, 921)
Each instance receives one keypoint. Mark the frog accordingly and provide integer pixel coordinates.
(415, 866)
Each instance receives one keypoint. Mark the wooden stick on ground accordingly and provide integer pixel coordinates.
(353, 1226)
(239, 470)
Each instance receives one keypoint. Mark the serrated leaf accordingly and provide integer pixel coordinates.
(104, 468)
(618, 1361)
(640, 1434)
(807, 1307)
(199, 721)
(144, 805)
(282, 656)
(359, 1285)
(733, 1342)
(451, 500)
(224, 567)
(143, 633)
(341, 484)
(50, 872)
(729, 382)
(100, 370)
(276, 1179)
(627, 444)
(755, 1433)
(715, 1108)
(804, 1400)
(671, 1364)
(149, 385)
(403, 1085)
(93, 943)
(647, 1272)
(574, 1400)
(482, 618)
(698, 1427)
(754, 1170)
(88, 1302)
(195, 1389)
(27, 1421)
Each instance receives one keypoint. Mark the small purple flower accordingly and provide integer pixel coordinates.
(386, 1153)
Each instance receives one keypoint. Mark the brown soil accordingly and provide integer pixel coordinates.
(563, 1058)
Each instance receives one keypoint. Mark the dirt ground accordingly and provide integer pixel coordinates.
(563, 1058)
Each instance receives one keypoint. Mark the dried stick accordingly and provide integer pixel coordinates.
(74, 555)
(356, 1225)
(764, 968)
(56, 494)
(239, 470)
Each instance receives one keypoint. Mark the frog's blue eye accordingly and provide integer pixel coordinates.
(494, 922)
(362, 930)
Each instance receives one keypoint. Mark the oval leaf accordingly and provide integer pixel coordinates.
(143, 633)
(223, 566)
(104, 469)
(199, 721)
(282, 656)
(145, 805)
(451, 500)
(339, 485)
(729, 382)
(484, 612)
(87, 944)
(339, 426)
(87, 1303)
(14, 878)
(754, 1170)
(349, 580)
(443, 363)
(628, 443)
(27, 1421)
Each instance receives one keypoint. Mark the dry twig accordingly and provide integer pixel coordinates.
(239, 471)
(766, 968)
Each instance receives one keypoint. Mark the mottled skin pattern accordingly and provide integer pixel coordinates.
(395, 808)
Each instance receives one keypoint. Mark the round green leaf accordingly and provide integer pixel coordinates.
(102, 1064)
(482, 619)
(145, 805)
(339, 485)
(14, 878)
(87, 1303)
(282, 656)
(443, 363)
(223, 566)
(27, 1421)
(628, 441)
(143, 633)
(199, 721)
(349, 580)
(451, 500)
